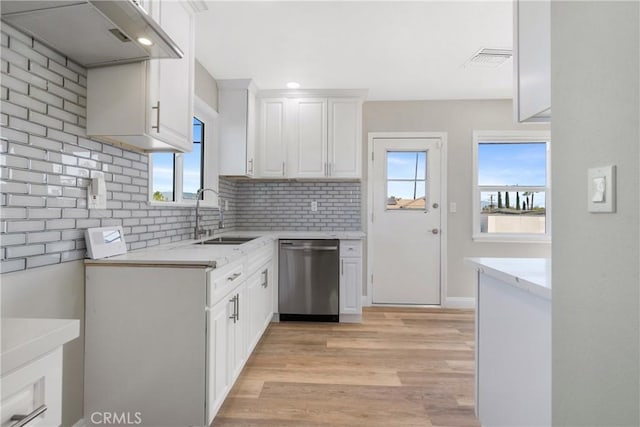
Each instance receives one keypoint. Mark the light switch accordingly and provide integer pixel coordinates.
(453, 207)
(599, 189)
(602, 189)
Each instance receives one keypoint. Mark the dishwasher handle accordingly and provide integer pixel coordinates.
(310, 248)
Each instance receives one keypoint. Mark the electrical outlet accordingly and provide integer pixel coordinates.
(314, 206)
(226, 205)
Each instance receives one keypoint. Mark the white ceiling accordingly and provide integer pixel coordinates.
(397, 50)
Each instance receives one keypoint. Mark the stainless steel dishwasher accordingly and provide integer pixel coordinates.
(309, 280)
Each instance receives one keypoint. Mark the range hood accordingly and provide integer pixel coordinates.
(92, 33)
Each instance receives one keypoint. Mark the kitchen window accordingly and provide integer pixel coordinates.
(512, 189)
(176, 177)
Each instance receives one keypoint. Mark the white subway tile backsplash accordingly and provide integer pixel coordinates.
(42, 260)
(45, 213)
(27, 151)
(26, 176)
(61, 202)
(12, 83)
(7, 266)
(26, 126)
(64, 70)
(24, 226)
(47, 236)
(14, 135)
(10, 161)
(15, 110)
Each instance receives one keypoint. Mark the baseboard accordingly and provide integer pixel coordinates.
(459, 302)
(351, 318)
(80, 423)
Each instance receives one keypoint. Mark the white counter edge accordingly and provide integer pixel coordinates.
(540, 286)
(30, 339)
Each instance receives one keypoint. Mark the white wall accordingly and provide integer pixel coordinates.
(458, 119)
(205, 86)
(595, 91)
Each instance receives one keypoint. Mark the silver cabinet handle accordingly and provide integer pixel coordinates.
(342, 267)
(157, 126)
(311, 248)
(266, 278)
(250, 166)
(233, 315)
(283, 170)
(238, 310)
(325, 168)
(330, 169)
(234, 277)
(23, 420)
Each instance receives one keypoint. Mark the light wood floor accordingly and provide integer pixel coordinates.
(400, 367)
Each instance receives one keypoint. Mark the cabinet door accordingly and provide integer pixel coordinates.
(218, 371)
(254, 296)
(350, 285)
(239, 331)
(308, 156)
(344, 140)
(170, 113)
(267, 284)
(532, 59)
(251, 165)
(273, 138)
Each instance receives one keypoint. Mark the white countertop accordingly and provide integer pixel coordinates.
(190, 253)
(530, 274)
(26, 339)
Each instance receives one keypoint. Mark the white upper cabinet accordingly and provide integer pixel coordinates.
(345, 138)
(310, 137)
(272, 148)
(148, 104)
(308, 144)
(237, 109)
(532, 60)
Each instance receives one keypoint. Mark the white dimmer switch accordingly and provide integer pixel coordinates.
(314, 206)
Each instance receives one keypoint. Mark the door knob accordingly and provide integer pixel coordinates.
(435, 206)
(435, 231)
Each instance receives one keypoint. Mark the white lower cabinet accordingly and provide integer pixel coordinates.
(166, 344)
(350, 281)
(34, 392)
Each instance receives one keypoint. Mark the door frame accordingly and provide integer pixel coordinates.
(443, 204)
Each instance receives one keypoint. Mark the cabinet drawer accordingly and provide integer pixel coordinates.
(34, 389)
(222, 280)
(350, 248)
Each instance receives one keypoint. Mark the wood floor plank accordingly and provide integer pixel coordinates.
(400, 367)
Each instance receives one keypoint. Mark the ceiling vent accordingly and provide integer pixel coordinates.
(489, 58)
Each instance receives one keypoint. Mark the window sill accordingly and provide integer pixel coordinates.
(515, 238)
(183, 204)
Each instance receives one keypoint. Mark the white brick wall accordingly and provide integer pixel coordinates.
(286, 205)
(47, 160)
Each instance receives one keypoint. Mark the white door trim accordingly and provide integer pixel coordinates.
(443, 205)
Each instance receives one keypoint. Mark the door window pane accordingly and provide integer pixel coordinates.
(192, 176)
(163, 177)
(406, 180)
(502, 164)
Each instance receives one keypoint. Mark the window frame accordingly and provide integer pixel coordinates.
(515, 136)
(209, 162)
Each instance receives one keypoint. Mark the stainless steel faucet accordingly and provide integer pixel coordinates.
(197, 231)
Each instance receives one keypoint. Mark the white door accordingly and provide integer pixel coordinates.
(406, 221)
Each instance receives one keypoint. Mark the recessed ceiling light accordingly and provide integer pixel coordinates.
(293, 85)
(144, 41)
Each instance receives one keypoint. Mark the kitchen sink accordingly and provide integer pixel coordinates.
(227, 240)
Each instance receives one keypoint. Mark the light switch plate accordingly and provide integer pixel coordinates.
(602, 189)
